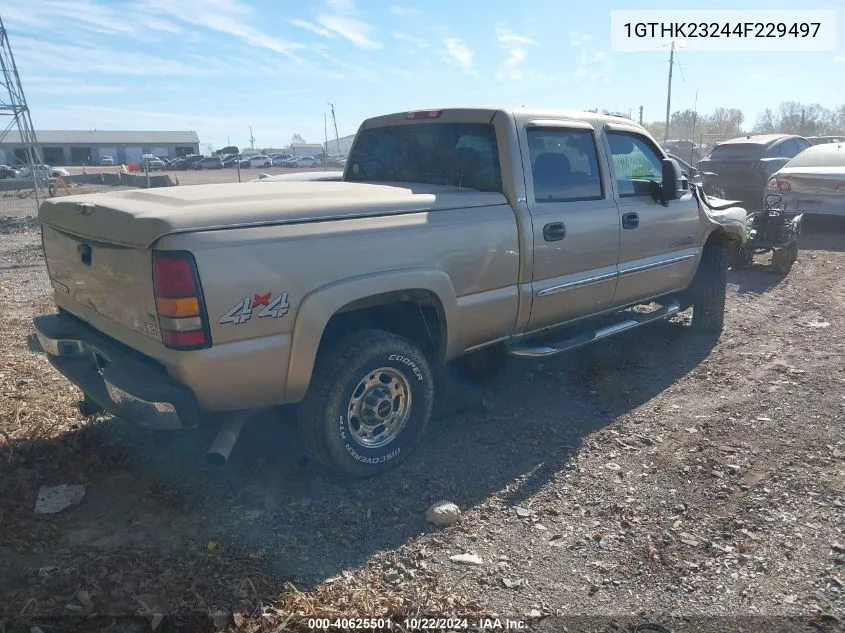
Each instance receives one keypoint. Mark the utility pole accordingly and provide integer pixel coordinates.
(694, 121)
(336, 137)
(641, 115)
(669, 91)
(251, 139)
(802, 123)
(326, 138)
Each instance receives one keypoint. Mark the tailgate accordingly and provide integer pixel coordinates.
(115, 281)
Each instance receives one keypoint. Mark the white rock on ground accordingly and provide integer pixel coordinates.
(443, 513)
(467, 559)
(52, 499)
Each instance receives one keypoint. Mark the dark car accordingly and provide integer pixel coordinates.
(739, 169)
(209, 162)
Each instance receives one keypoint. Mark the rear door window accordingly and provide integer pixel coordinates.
(565, 165)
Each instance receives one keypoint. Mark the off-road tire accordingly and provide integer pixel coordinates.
(323, 423)
(709, 289)
(782, 259)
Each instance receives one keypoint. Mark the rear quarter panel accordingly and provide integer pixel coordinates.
(477, 248)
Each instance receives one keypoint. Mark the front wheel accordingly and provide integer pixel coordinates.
(709, 289)
(368, 403)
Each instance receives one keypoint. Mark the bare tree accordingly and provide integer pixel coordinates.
(725, 121)
(683, 124)
(766, 123)
(297, 139)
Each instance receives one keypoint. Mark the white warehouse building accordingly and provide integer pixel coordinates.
(79, 147)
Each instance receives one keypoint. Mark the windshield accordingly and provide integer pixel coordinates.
(453, 154)
(738, 151)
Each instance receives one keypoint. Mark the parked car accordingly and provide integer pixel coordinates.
(303, 161)
(257, 161)
(107, 161)
(280, 159)
(470, 267)
(739, 169)
(818, 140)
(692, 174)
(209, 162)
(9, 172)
(232, 160)
(813, 181)
(155, 164)
(301, 176)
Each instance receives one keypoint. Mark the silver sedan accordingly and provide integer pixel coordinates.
(813, 181)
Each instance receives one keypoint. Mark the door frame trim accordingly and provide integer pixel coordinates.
(575, 284)
(663, 262)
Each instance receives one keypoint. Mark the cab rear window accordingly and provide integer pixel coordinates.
(451, 154)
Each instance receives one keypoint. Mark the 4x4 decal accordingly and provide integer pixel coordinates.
(244, 309)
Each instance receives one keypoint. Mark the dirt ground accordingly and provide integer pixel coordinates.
(659, 477)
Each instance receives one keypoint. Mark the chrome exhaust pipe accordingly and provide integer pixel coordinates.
(227, 437)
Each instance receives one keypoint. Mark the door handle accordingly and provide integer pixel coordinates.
(554, 232)
(630, 221)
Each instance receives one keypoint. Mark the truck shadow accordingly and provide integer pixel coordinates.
(283, 517)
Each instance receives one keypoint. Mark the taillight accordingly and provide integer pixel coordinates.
(784, 186)
(179, 301)
(772, 184)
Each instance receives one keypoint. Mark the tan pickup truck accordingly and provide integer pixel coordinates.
(453, 232)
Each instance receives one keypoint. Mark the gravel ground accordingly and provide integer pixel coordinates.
(658, 475)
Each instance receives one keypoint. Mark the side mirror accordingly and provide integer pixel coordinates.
(672, 185)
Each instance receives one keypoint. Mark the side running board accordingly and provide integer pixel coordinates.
(629, 321)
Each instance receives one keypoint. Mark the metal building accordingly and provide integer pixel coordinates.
(340, 146)
(78, 147)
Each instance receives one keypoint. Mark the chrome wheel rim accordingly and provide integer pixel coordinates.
(379, 407)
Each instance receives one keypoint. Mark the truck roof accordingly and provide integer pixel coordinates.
(521, 114)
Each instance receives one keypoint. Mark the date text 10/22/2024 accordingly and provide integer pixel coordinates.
(418, 624)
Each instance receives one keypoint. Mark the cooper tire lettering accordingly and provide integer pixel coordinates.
(407, 361)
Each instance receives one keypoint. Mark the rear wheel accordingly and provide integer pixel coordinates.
(368, 403)
(709, 289)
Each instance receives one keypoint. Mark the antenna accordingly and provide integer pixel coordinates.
(13, 104)
(251, 139)
(336, 137)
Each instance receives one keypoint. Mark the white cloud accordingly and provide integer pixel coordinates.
(579, 39)
(341, 6)
(397, 10)
(839, 59)
(352, 29)
(35, 85)
(36, 55)
(416, 41)
(314, 28)
(87, 16)
(516, 48)
(223, 16)
(460, 53)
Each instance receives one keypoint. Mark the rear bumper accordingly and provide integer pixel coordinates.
(109, 375)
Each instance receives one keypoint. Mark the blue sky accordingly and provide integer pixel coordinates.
(219, 66)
